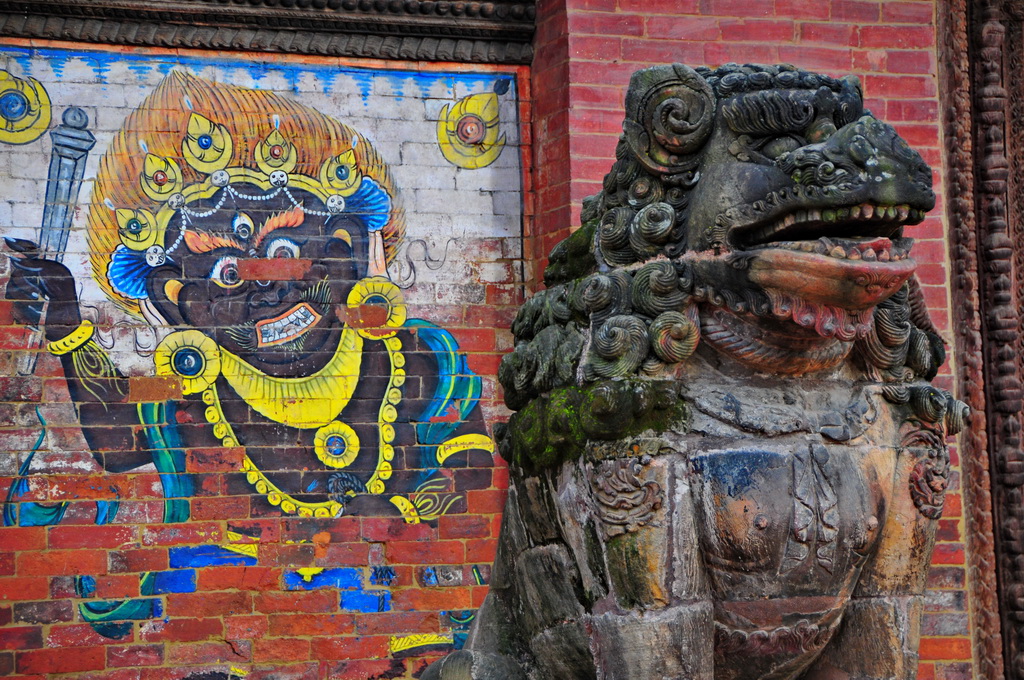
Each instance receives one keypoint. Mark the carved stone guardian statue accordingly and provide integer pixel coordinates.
(727, 459)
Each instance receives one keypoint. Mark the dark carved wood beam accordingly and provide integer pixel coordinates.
(494, 31)
(959, 119)
(983, 91)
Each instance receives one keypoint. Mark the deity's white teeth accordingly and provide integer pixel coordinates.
(286, 327)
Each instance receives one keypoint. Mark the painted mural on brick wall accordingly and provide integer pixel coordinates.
(229, 270)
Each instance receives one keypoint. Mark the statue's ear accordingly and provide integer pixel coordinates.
(670, 113)
(851, 101)
(163, 286)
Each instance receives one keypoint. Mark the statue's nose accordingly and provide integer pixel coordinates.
(879, 150)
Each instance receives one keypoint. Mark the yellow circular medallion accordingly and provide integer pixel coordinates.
(336, 444)
(376, 307)
(191, 356)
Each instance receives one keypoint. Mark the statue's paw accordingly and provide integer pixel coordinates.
(467, 665)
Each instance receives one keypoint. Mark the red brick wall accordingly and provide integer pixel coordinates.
(590, 48)
(244, 587)
(241, 616)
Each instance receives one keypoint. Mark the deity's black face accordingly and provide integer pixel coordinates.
(281, 319)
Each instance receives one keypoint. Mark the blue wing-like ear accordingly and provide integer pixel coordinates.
(371, 203)
(127, 273)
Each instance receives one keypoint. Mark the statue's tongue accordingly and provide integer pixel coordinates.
(846, 283)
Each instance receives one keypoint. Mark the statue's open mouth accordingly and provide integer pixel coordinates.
(287, 326)
(865, 248)
(836, 232)
(851, 257)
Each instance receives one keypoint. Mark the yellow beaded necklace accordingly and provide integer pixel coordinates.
(335, 443)
(305, 402)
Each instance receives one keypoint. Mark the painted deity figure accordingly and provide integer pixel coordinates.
(253, 234)
(727, 460)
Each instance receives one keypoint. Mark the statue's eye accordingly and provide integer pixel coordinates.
(780, 145)
(225, 273)
(242, 224)
(282, 247)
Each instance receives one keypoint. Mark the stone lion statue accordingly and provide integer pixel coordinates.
(727, 459)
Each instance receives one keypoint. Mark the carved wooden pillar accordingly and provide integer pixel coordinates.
(984, 89)
(1000, 51)
(955, 60)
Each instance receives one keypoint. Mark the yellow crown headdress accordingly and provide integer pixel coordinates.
(192, 138)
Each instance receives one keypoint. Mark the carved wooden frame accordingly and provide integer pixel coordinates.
(983, 89)
(484, 31)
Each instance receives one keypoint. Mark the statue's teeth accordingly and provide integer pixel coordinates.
(854, 254)
(869, 254)
(884, 256)
(828, 215)
(867, 211)
(855, 212)
(903, 211)
(814, 214)
(837, 252)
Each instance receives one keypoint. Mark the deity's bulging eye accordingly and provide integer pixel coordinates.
(243, 225)
(282, 248)
(225, 273)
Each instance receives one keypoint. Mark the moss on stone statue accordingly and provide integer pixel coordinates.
(573, 257)
(554, 428)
